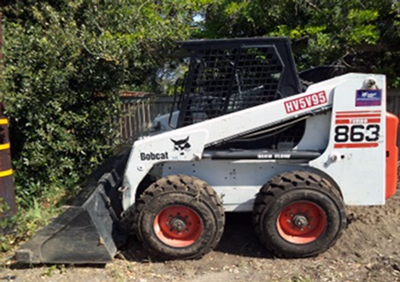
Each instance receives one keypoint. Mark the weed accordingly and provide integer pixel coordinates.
(61, 268)
(4, 209)
(24, 224)
(116, 274)
(49, 270)
(298, 278)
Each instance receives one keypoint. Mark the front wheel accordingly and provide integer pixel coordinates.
(179, 217)
(298, 214)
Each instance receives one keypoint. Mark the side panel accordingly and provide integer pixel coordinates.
(356, 153)
(316, 126)
(236, 182)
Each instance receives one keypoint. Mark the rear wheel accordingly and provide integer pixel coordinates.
(179, 217)
(298, 214)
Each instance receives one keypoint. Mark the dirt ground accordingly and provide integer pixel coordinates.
(369, 250)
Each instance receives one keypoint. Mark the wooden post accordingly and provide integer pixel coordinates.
(7, 194)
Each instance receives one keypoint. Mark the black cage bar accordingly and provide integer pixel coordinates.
(226, 76)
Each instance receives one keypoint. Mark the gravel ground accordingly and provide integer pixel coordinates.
(369, 250)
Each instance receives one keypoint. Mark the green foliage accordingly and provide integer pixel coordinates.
(59, 131)
(4, 208)
(49, 271)
(23, 225)
(362, 35)
(65, 63)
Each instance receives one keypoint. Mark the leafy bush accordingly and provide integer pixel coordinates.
(65, 63)
(59, 130)
(23, 225)
(361, 35)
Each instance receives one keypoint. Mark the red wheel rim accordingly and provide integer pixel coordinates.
(301, 222)
(178, 226)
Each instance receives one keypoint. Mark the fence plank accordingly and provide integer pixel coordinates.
(137, 114)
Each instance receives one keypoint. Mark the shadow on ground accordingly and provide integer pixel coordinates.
(239, 238)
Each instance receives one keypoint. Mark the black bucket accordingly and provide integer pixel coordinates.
(89, 231)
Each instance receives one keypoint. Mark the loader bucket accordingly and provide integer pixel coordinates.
(89, 231)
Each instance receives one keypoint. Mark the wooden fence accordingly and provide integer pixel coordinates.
(138, 113)
(393, 102)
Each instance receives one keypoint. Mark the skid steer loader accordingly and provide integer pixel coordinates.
(247, 135)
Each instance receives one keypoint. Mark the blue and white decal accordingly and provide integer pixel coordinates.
(368, 97)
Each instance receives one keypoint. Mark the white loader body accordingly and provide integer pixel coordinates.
(344, 141)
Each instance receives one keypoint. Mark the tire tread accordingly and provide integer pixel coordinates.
(193, 186)
(281, 184)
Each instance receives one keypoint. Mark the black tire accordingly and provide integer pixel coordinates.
(298, 214)
(144, 184)
(179, 217)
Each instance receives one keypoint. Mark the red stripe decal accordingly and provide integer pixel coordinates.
(357, 120)
(357, 115)
(342, 121)
(356, 145)
(374, 120)
(356, 112)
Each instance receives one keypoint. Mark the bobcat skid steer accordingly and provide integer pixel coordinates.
(247, 135)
